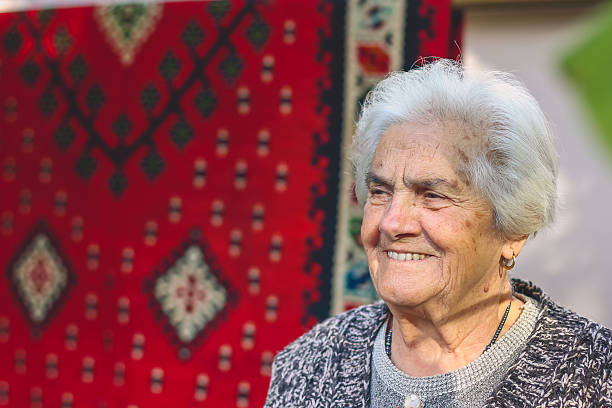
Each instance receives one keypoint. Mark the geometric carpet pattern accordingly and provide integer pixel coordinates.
(170, 178)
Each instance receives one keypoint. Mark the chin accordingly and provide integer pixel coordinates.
(404, 291)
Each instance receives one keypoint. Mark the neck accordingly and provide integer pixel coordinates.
(435, 339)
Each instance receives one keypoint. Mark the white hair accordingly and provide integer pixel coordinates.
(516, 170)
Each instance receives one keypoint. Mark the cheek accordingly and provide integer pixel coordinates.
(469, 240)
(369, 226)
(453, 235)
(369, 238)
(370, 233)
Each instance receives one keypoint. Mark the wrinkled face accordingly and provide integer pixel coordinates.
(428, 235)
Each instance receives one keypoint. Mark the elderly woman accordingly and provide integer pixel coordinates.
(455, 170)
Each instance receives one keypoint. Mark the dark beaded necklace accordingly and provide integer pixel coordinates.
(493, 340)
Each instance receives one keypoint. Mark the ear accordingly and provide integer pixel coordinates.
(513, 248)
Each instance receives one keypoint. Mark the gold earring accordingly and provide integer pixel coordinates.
(509, 263)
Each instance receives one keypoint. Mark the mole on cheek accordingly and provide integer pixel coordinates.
(468, 224)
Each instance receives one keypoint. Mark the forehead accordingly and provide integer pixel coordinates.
(426, 140)
(447, 134)
(409, 144)
(424, 151)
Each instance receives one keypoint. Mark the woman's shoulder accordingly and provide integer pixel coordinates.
(358, 323)
(308, 368)
(582, 336)
(567, 357)
(567, 353)
(565, 323)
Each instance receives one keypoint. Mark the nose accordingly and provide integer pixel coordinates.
(401, 217)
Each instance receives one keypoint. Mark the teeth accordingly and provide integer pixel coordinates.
(405, 256)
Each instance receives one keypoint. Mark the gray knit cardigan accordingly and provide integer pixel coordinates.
(567, 362)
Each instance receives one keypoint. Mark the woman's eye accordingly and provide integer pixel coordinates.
(433, 196)
(378, 194)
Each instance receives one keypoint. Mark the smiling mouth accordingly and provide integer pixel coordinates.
(405, 256)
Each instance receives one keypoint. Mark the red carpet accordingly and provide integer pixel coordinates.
(169, 188)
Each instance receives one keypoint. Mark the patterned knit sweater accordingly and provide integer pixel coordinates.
(567, 362)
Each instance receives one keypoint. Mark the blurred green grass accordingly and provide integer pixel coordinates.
(589, 66)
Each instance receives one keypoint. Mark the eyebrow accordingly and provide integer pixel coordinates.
(372, 178)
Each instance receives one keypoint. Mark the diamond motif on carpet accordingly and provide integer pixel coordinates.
(40, 277)
(189, 294)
